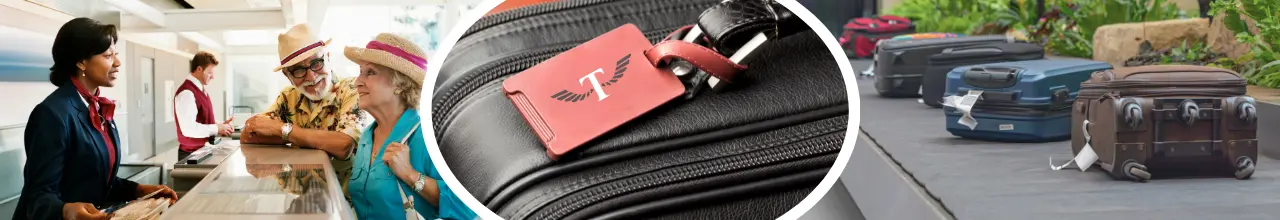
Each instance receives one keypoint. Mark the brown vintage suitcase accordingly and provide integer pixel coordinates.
(1173, 120)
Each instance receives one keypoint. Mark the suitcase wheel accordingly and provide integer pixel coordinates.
(1133, 115)
(1248, 113)
(1136, 172)
(1244, 168)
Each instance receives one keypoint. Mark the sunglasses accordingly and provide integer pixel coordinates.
(315, 65)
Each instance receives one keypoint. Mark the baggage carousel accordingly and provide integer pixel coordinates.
(907, 166)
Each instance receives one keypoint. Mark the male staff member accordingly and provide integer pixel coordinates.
(317, 112)
(193, 109)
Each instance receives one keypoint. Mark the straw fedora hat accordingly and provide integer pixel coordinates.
(393, 52)
(297, 45)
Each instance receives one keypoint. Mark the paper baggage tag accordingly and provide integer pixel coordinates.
(966, 107)
(920, 92)
(964, 104)
(871, 70)
(1085, 158)
(591, 89)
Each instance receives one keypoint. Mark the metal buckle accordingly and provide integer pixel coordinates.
(682, 69)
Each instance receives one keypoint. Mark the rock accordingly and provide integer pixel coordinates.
(1017, 34)
(1116, 43)
(1223, 40)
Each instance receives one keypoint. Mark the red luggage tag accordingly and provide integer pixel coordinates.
(591, 89)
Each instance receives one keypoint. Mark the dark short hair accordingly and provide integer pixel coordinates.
(203, 59)
(77, 40)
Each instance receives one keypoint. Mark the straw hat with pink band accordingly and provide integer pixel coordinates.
(393, 52)
(297, 45)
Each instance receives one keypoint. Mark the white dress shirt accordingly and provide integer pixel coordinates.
(185, 106)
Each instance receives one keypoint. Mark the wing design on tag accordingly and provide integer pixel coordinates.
(619, 68)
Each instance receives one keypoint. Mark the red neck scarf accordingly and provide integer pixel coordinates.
(101, 111)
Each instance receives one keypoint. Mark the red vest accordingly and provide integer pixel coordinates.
(204, 115)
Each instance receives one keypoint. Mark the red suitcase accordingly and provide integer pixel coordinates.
(861, 34)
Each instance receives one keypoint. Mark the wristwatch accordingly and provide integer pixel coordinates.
(417, 185)
(284, 131)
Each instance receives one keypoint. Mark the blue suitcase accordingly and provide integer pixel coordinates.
(1023, 101)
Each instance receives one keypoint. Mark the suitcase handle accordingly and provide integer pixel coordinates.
(1187, 112)
(991, 78)
(964, 50)
(1060, 96)
(981, 47)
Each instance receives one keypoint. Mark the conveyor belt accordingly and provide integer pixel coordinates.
(992, 181)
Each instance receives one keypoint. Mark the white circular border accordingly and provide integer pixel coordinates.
(470, 18)
(851, 88)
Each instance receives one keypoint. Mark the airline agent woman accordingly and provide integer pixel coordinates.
(73, 150)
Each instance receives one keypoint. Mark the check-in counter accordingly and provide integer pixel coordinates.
(266, 182)
(185, 176)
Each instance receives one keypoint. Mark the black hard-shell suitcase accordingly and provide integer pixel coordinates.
(751, 151)
(935, 76)
(900, 63)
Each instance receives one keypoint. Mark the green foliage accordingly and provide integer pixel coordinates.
(1017, 15)
(949, 16)
(1191, 53)
(1066, 27)
(1073, 35)
(1262, 62)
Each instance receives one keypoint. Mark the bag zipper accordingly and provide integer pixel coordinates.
(957, 41)
(987, 57)
(1158, 84)
(815, 145)
(1157, 88)
(537, 9)
(560, 6)
(472, 80)
(1094, 93)
(506, 193)
(1018, 110)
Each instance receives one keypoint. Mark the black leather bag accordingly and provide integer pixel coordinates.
(750, 151)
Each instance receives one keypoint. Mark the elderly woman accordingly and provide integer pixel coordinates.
(391, 165)
(72, 146)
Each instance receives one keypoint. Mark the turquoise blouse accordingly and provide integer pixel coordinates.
(371, 189)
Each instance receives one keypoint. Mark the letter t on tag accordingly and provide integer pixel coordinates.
(595, 83)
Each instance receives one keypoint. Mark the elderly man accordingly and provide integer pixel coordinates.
(317, 112)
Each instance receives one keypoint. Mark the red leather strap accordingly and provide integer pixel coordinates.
(679, 32)
(701, 57)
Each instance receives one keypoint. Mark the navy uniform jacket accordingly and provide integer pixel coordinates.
(67, 159)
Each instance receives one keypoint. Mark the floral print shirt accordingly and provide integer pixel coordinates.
(336, 112)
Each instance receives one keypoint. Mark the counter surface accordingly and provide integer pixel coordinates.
(266, 182)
